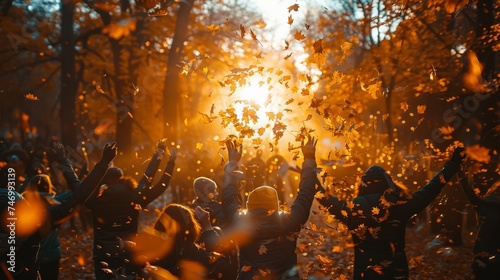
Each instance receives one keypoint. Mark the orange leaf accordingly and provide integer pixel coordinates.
(299, 36)
(290, 20)
(294, 7)
(242, 31)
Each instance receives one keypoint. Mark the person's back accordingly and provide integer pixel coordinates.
(377, 219)
(268, 237)
(115, 212)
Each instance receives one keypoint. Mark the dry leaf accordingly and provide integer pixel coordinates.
(294, 7)
(299, 36)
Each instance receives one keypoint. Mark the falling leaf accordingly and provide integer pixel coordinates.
(472, 78)
(254, 37)
(213, 28)
(206, 119)
(242, 31)
(375, 210)
(404, 106)
(421, 109)
(478, 153)
(299, 35)
(288, 56)
(31, 96)
(262, 250)
(447, 131)
(344, 213)
(290, 20)
(294, 7)
(122, 28)
(287, 45)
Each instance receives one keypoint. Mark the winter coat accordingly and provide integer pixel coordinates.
(269, 251)
(377, 223)
(486, 250)
(115, 210)
(26, 253)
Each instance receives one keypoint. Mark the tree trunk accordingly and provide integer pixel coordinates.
(124, 100)
(69, 85)
(171, 94)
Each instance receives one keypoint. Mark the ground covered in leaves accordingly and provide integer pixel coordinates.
(325, 252)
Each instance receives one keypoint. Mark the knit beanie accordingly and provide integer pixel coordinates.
(263, 197)
(203, 187)
(375, 180)
(112, 175)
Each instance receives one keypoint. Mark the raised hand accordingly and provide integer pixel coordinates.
(204, 217)
(309, 149)
(233, 152)
(109, 153)
(162, 144)
(58, 150)
(458, 155)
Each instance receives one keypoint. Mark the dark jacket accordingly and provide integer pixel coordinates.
(377, 223)
(50, 248)
(115, 209)
(213, 207)
(26, 253)
(269, 251)
(486, 250)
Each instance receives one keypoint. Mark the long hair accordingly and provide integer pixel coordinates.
(187, 228)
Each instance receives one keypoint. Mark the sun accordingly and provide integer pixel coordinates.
(255, 93)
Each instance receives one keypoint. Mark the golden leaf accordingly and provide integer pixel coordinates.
(31, 96)
(404, 106)
(478, 153)
(375, 210)
(299, 36)
(421, 109)
(290, 20)
(213, 28)
(294, 7)
(344, 213)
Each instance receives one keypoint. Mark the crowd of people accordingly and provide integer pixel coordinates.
(243, 233)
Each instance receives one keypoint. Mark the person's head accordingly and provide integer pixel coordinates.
(179, 220)
(42, 184)
(263, 197)
(375, 181)
(205, 189)
(113, 175)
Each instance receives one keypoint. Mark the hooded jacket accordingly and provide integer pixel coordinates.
(377, 223)
(271, 236)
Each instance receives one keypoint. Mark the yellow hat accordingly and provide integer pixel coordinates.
(263, 197)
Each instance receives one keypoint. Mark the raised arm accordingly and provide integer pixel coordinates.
(148, 176)
(423, 197)
(231, 203)
(85, 188)
(149, 194)
(65, 166)
(301, 207)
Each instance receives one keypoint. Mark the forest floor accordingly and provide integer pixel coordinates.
(324, 252)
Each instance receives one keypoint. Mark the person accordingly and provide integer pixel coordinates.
(486, 264)
(184, 233)
(115, 214)
(50, 217)
(206, 198)
(268, 247)
(377, 218)
(49, 254)
(206, 193)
